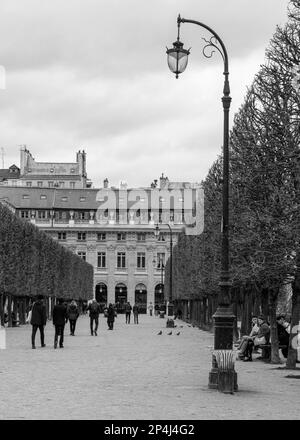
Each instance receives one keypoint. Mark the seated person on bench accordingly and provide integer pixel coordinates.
(283, 334)
(244, 340)
(262, 337)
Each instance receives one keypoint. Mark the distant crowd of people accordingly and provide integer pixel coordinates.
(260, 336)
(63, 312)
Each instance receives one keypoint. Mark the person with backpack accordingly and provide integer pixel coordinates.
(128, 309)
(73, 314)
(111, 314)
(94, 309)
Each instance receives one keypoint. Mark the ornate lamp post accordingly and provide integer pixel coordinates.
(223, 317)
(170, 299)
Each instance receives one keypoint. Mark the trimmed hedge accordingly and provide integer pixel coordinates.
(32, 263)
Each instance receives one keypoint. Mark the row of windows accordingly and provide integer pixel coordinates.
(121, 259)
(85, 215)
(101, 236)
(51, 184)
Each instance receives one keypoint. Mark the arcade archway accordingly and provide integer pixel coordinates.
(120, 297)
(140, 297)
(101, 294)
(159, 296)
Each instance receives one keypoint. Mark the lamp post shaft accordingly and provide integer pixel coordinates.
(223, 317)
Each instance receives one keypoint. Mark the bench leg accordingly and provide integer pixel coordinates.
(266, 353)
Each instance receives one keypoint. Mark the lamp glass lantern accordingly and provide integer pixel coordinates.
(177, 58)
(156, 231)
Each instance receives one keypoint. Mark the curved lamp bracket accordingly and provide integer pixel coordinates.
(211, 43)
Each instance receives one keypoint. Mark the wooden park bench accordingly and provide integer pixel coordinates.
(266, 351)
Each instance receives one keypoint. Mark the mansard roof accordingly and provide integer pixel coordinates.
(13, 172)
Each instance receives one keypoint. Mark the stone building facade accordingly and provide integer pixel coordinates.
(111, 228)
(31, 173)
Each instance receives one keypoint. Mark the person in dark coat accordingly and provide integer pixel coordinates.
(59, 319)
(38, 320)
(283, 334)
(110, 317)
(73, 313)
(135, 310)
(128, 309)
(94, 309)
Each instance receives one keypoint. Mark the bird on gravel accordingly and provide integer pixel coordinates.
(159, 333)
(177, 334)
(169, 333)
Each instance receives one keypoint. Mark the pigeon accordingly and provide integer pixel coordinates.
(177, 334)
(169, 333)
(159, 333)
(189, 325)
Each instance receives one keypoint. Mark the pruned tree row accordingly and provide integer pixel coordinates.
(32, 263)
(264, 199)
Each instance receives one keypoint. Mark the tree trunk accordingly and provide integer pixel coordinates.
(273, 294)
(247, 312)
(295, 318)
(205, 320)
(15, 309)
(1, 309)
(9, 310)
(235, 312)
(265, 303)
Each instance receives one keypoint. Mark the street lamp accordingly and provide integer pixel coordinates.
(223, 317)
(159, 265)
(169, 302)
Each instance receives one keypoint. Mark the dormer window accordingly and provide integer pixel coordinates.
(51, 170)
(25, 196)
(64, 199)
(43, 196)
(82, 199)
(72, 170)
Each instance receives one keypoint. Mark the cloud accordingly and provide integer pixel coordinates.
(92, 74)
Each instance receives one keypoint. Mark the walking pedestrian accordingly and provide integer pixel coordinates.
(135, 313)
(94, 309)
(38, 320)
(110, 317)
(150, 308)
(59, 319)
(128, 309)
(72, 314)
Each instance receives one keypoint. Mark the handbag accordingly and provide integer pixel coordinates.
(260, 341)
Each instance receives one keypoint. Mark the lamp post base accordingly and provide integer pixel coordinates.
(214, 380)
(224, 380)
(170, 309)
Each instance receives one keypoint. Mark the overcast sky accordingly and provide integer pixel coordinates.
(93, 75)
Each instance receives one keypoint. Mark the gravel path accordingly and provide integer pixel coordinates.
(131, 373)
